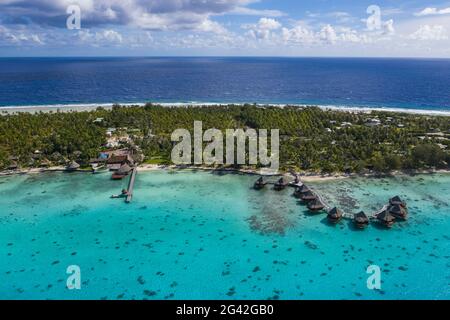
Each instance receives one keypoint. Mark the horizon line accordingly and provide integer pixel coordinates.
(226, 56)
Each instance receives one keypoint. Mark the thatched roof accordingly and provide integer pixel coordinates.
(13, 165)
(396, 209)
(386, 216)
(124, 169)
(316, 205)
(73, 166)
(361, 217)
(335, 213)
(303, 189)
(396, 201)
(308, 196)
(45, 162)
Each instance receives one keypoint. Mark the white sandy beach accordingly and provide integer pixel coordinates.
(305, 177)
(108, 106)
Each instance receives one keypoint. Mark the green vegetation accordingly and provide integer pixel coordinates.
(311, 139)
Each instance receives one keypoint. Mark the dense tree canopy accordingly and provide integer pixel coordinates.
(311, 139)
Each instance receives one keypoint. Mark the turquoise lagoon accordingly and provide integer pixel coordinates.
(198, 235)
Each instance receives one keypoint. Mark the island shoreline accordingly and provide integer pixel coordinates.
(9, 110)
(303, 176)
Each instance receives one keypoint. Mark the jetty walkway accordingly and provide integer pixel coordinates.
(131, 186)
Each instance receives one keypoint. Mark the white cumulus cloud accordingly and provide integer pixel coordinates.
(427, 32)
(430, 11)
(263, 29)
(147, 14)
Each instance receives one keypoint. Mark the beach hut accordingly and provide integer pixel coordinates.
(386, 218)
(308, 196)
(398, 211)
(13, 165)
(73, 166)
(361, 220)
(259, 184)
(316, 205)
(45, 163)
(281, 184)
(335, 215)
(397, 201)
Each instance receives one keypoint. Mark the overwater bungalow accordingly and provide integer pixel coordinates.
(301, 190)
(386, 218)
(308, 196)
(398, 211)
(335, 215)
(123, 171)
(396, 201)
(316, 205)
(73, 166)
(259, 184)
(296, 182)
(361, 220)
(281, 184)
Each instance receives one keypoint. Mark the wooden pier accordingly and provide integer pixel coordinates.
(131, 186)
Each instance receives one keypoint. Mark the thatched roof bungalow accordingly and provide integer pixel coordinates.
(13, 165)
(301, 190)
(397, 201)
(73, 166)
(316, 205)
(45, 163)
(259, 184)
(335, 215)
(308, 196)
(281, 184)
(361, 220)
(398, 211)
(386, 219)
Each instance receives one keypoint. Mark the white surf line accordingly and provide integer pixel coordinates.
(343, 108)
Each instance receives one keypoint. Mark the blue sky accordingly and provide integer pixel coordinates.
(378, 28)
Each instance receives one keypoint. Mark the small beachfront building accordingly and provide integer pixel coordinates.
(13, 165)
(45, 163)
(73, 166)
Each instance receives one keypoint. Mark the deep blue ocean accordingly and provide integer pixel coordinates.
(392, 83)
